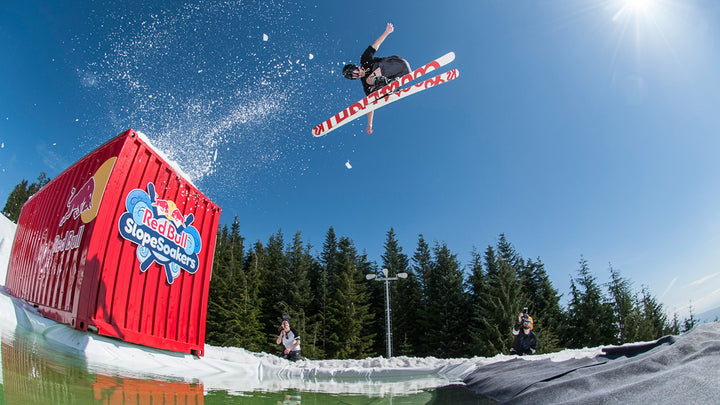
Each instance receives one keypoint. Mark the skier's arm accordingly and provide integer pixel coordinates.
(369, 129)
(382, 37)
(518, 325)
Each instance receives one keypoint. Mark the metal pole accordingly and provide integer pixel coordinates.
(387, 281)
(387, 315)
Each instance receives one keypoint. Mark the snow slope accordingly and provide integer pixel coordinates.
(7, 234)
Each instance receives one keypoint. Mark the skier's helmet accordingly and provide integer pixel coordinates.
(348, 71)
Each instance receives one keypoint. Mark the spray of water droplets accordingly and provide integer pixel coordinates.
(220, 87)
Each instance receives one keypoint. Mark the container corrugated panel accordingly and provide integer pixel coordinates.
(121, 243)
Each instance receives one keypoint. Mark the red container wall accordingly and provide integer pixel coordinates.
(47, 264)
(142, 268)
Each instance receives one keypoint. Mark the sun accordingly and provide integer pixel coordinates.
(639, 5)
(636, 8)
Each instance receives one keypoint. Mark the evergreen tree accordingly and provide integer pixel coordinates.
(348, 308)
(20, 194)
(301, 265)
(257, 275)
(218, 312)
(500, 302)
(571, 331)
(279, 283)
(592, 320)
(476, 287)
(674, 326)
(654, 321)
(690, 322)
(321, 286)
(623, 304)
(233, 305)
(422, 263)
(15, 201)
(507, 253)
(365, 267)
(246, 327)
(446, 305)
(543, 305)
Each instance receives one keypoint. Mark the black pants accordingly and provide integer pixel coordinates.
(294, 355)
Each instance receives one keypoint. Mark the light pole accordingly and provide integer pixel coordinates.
(387, 281)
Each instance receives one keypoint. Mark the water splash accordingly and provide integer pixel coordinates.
(205, 84)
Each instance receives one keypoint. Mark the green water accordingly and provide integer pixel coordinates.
(34, 372)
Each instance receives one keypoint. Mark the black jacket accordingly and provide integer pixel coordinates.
(523, 344)
(391, 67)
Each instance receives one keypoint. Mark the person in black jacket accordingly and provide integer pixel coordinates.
(525, 340)
(376, 72)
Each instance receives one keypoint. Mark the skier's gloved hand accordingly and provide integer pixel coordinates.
(381, 81)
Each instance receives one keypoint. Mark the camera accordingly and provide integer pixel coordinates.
(525, 314)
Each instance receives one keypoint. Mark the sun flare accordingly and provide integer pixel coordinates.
(639, 5)
(636, 8)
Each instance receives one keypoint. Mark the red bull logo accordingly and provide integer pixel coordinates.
(169, 210)
(84, 202)
(79, 201)
(163, 234)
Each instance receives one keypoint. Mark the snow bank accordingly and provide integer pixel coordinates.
(7, 235)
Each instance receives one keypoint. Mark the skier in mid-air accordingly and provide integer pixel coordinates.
(376, 72)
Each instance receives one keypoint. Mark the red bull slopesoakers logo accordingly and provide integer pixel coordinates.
(161, 231)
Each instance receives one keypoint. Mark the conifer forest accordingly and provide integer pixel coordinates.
(444, 308)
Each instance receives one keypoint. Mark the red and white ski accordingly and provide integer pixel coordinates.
(392, 92)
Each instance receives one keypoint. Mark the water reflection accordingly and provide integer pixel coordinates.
(34, 371)
(34, 374)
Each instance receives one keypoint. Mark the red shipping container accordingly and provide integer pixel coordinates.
(121, 244)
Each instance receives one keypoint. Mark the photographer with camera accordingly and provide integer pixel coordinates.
(525, 340)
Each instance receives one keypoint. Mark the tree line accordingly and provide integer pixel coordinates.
(442, 309)
(21, 193)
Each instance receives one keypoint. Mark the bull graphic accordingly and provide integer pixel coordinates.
(169, 210)
(79, 201)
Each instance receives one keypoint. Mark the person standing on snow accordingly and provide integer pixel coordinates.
(376, 72)
(290, 339)
(525, 340)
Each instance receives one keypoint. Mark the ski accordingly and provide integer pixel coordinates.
(416, 88)
(364, 106)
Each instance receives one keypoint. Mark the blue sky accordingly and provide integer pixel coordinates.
(575, 128)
